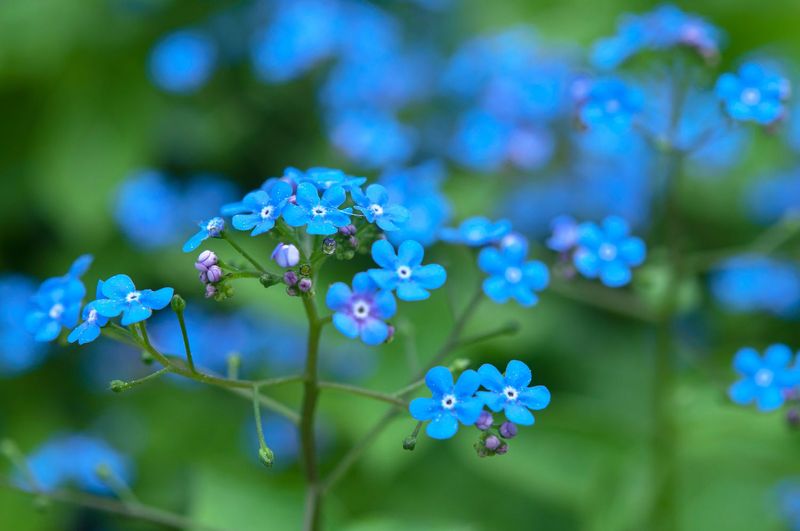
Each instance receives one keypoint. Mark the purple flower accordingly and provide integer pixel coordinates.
(286, 255)
(362, 311)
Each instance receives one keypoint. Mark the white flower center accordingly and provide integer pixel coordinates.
(449, 401)
(607, 251)
(56, 311)
(751, 96)
(360, 310)
(319, 210)
(612, 105)
(376, 209)
(510, 393)
(404, 272)
(215, 225)
(764, 377)
(133, 296)
(266, 212)
(92, 316)
(513, 275)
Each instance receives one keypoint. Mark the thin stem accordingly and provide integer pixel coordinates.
(244, 274)
(280, 380)
(264, 452)
(509, 328)
(242, 252)
(117, 485)
(186, 345)
(118, 386)
(614, 301)
(269, 403)
(352, 389)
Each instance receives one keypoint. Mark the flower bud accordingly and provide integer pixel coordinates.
(304, 285)
(266, 456)
(211, 291)
(286, 255)
(290, 278)
(205, 260)
(492, 443)
(409, 443)
(353, 241)
(117, 386)
(214, 274)
(203, 277)
(502, 450)
(390, 335)
(508, 430)
(328, 246)
(793, 418)
(215, 227)
(485, 421)
(305, 270)
(291, 291)
(347, 230)
(268, 280)
(177, 303)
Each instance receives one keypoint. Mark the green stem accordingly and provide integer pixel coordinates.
(264, 452)
(243, 274)
(119, 386)
(269, 403)
(614, 301)
(360, 391)
(242, 252)
(187, 347)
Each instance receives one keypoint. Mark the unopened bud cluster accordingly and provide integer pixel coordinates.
(492, 440)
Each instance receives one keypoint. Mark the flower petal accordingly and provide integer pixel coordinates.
(411, 291)
(467, 384)
(777, 356)
(333, 197)
(518, 374)
(385, 278)
(118, 286)
(346, 325)
(158, 299)
(424, 408)
(769, 399)
(307, 196)
(135, 313)
(491, 378)
(385, 305)
(586, 262)
(468, 411)
(383, 254)
(494, 401)
(615, 274)
(109, 307)
(747, 361)
(743, 392)
(491, 261)
(374, 331)
(246, 221)
(338, 296)
(195, 241)
(519, 414)
(497, 289)
(442, 427)
(439, 380)
(535, 398)
(633, 251)
(431, 276)
(295, 215)
(410, 253)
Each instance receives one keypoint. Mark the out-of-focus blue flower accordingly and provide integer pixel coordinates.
(147, 209)
(375, 206)
(765, 381)
(18, 350)
(511, 392)
(205, 193)
(263, 209)
(477, 231)
(748, 283)
(210, 228)
(530, 148)
(89, 329)
(301, 34)
(321, 215)
(76, 459)
(362, 311)
(57, 302)
(608, 252)
(404, 271)
(122, 297)
(565, 234)
(321, 178)
(510, 276)
(183, 61)
(418, 189)
(755, 94)
(373, 138)
(449, 403)
(610, 103)
(770, 199)
(789, 502)
(367, 33)
(481, 141)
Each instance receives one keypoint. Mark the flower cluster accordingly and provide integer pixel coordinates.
(755, 94)
(768, 380)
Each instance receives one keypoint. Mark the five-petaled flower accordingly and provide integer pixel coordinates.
(89, 329)
(322, 215)
(765, 380)
(262, 208)
(608, 252)
(323, 178)
(122, 297)
(404, 271)
(510, 275)
(211, 228)
(610, 103)
(511, 392)
(449, 404)
(754, 95)
(565, 234)
(362, 311)
(477, 231)
(375, 206)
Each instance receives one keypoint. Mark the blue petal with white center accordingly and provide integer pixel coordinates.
(608, 252)
(375, 206)
(765, 380)
(511, 393)
(477, 231)
(404, 271)
(361, 312)
(260, 209)
(122, 297)
(449, 403)
(321, 215)
(210, 228)
(510, 276)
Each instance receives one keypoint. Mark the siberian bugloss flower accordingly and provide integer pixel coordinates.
(608, 251)
(510, 276)
(754, 94)
(765, 380)
(286, 255)
(510, 392)
(321, 215)
(363, 310)
(89, 329)
(211, 228)
(565, 234)
(610, 103)
(122, 297)
(404, 271)
(260, 209)
(477, 231)
(57, 302)
(323, 178)
(449, 404)
(375, 206)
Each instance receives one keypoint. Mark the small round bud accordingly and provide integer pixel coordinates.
(304, 285)
(793, 418)
(211, 291)
(214, 274)
(305, 270)
(328, 246)
(459, 364)
(291, 291)
(177, 303)
(147, 358)
(508, 430)
(117, 386)
(347, 230)
(502, 450)
(390, 335)
(492, 443)
(266, 456)
(290, 278)
(485, 421)
(205, 260)
(409, 443)
(204, 277)
(215, 226)
(267, 280)
(286, 255)
(353, 241)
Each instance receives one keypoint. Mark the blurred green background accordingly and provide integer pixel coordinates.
(78, 113)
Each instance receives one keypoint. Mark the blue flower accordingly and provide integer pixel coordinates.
(147, 209)
(754, 95)
(122, 297)
(321, 215)
(57, 302)
(477, 231)
(323, 178)
(211, 228)
(481, 142)
(183, 61)
(362, 311)
(375, 206)
(610, 103)
(565, 234)
(19, 351)
(372, 138)
(263, 209)
(767, 379)
(404, 271)
(747, 283)
(89, 329)
(608, 252)
(510, 276)
(511, 392)
(449, 403)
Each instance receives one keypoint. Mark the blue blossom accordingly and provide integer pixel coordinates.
(755, 94)
(18, 350)
(774, 197)
(322, 215)
(323, 178)
(610, 103)
(449, 403)
(122, 297)
(263, 209)
(608, 252)
(788, 494)
(404, 271)
(375, 206)
(147, 209)
(477, 231)
(511, 392)
(206, 192)
(372, 138)
(565, 234)
(89, 329)
(57, 302)
(749, 282)
(183, 61)
(481, 141)
(765, 380)
(510, 276)
(210, 228)
(363, 311)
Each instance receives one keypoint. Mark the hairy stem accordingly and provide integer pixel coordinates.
(360, 391)
(242, 252)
